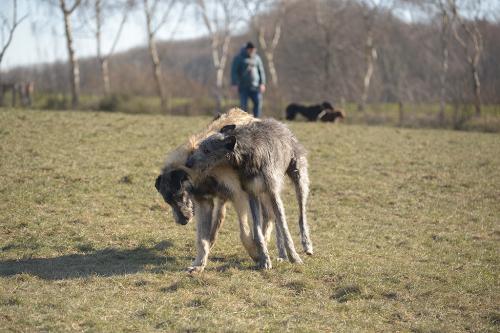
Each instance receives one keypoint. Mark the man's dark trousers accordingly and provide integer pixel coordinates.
(256, 98)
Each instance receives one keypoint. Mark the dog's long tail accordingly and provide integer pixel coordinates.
(297, 171)
(291, 112)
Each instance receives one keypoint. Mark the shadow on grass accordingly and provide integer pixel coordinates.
(106, 262)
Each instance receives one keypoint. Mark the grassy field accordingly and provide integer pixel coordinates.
(405, 223)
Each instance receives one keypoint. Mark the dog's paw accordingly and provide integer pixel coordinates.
(280, 259)
(265, 264)
(296, 260)
(195, 269)
(308, 248)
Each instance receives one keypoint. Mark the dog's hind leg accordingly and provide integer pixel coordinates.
(264, 260)
(279, 212)
(267, 222)
(268, 218)
(300, 178)
(241, 205)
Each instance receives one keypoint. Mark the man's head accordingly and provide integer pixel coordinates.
(250, 48)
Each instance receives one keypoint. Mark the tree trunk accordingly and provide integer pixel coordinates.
(473, 34)
(218, 89)
(370, 56)
(269, 51)
(401, 112)
(103, 61)
(219, 61)
(155, 60)
(328, 66)
(74, 68)
(272, 69)
(105, 76)
(444, 68)
(477, 89)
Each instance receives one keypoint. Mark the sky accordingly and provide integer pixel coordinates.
(40, 37)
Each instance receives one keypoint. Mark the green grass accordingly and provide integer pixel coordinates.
(405, 223)
(415, 115)
(131, 104)
(425, 115)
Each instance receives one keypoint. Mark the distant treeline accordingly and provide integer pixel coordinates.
(321, 55)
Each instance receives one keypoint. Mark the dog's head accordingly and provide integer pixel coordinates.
(327, 106)
(334, 116)
(340, 114)
(173, 186)
(213, 150)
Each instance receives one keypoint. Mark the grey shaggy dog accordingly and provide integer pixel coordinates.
(204, 197)
(262, 153)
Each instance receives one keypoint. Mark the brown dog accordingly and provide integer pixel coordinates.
(332, 116)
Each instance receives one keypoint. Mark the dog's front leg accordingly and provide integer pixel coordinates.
(218, 215)
(203, 213)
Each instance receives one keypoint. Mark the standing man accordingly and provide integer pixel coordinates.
(248, 78)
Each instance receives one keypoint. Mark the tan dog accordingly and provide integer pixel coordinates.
(180, 186)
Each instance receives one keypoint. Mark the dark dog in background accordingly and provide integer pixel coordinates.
(323, 112)
(333, 116)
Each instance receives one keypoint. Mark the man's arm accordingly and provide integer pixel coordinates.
(262, 72)
(235, 80)
(262, 75)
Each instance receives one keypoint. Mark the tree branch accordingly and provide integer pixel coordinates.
(15, 24)
(204, 14)
(164, 18)
(75, 5)
(120, 29)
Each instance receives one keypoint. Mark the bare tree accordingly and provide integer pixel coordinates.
(440, 9)
(219, 20)
(372, 10)
(73, 60)
(326, 32)
(102, 57)
(268, 39)
(9, 28)
(444, 39)
(370, 53)
(469, 37)
(325, 14)
(153, 25)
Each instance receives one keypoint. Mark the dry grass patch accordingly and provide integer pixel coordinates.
(405, 225)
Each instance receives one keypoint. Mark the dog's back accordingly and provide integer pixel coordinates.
(267, 143)
(292, 109)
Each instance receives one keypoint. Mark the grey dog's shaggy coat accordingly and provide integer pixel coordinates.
(262, 153)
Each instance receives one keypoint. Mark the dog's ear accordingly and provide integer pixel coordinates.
(177, 177)
(327, 105)
(217, 116)
(230, 142)
(228, 128)
(158, 182)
